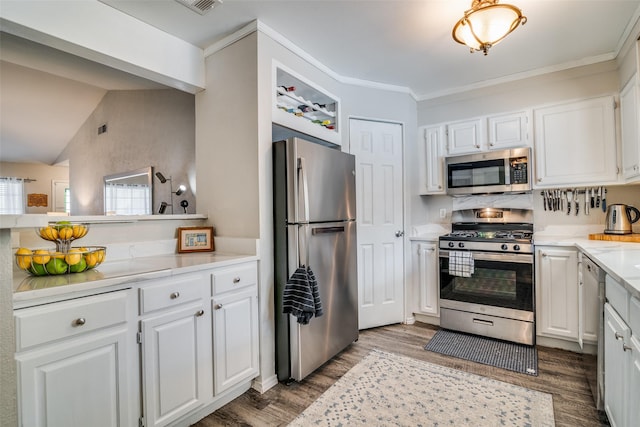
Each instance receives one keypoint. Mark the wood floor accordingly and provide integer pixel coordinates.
(561, 373)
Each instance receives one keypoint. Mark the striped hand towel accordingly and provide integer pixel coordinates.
(301, 296)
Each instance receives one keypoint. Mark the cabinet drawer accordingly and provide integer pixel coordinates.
(171, 292)
(618, 297)
(51, 322)
(232, 278)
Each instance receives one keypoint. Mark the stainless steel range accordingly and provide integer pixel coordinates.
(486, 274)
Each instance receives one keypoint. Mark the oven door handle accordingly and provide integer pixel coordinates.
(488, 256)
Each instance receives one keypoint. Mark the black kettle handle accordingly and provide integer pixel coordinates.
(636, 213)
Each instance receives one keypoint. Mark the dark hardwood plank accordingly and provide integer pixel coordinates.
(561, 373)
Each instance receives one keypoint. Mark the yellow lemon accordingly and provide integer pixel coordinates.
(79, 231)
(100, 255)
(73, 257)
(91, 259)
(65, 233)
(23, 258)
(41, 256)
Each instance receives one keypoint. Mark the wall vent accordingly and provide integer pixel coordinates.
(102, 129)
(200, 6)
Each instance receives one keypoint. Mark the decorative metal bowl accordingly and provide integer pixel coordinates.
(45, 262)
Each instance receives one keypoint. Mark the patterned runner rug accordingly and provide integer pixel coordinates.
(386, 389)
(501, 354)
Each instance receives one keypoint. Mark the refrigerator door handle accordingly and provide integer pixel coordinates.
(302, 176)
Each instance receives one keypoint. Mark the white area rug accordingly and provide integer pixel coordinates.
(386, 389)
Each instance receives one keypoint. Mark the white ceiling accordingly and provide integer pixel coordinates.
(405, 43)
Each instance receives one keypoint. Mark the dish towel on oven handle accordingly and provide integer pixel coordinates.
(461, 263)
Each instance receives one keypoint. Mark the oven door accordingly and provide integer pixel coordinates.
(503, 281)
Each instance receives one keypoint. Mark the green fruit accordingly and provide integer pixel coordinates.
(38, 269)
(79, 267)
(56, 266)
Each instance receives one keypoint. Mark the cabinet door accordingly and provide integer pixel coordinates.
(176, 362)
(557, 292)
(431, 151)
(465, 137)
(509, 130)
(590, 310)
(616, 334)
(235, 335)
(428, 278)
(633, 409)
(629, 122)
(575, 143)
(78, 382)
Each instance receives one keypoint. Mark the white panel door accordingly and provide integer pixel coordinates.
(378, 150)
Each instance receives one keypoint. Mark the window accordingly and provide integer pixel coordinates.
(127, 199)
(11, 196)
(67, 200)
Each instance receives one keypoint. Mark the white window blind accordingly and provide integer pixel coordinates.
(12, 196)
(127, 199)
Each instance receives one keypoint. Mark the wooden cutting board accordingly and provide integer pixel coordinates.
(635, 237)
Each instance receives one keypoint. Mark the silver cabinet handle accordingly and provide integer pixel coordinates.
(626, 347)
(174, 295)
(199, 313)
(79, 321)
(236, 280)
(618, 336)
(399, 233)
(217, 306)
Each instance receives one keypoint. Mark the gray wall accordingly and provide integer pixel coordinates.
(144, 128)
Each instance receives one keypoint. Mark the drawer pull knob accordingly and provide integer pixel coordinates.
(236, 280)
(199, 313)
(175, 295)
(79, 321)
(217, 306)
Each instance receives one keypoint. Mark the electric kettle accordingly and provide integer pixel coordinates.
(618, 219)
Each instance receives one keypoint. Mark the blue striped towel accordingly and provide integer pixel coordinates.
(301, 296)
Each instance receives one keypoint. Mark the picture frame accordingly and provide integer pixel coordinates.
(195, 239)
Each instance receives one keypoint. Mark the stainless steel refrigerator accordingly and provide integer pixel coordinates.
(315, 225)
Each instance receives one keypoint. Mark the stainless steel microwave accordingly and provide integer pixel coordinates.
(504, 171)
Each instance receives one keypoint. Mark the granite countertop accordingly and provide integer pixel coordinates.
(112, 275)
(621, 260)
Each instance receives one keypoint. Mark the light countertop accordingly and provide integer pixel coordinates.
(112, 275)
(621, 260)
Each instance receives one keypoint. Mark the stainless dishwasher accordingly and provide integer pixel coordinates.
(593, 278)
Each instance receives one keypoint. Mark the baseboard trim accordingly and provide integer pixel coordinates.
(261, 385)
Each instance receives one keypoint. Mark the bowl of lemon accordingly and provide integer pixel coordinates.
(62, 233)
(47, 262)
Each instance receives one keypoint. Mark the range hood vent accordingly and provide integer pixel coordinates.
(200, 6)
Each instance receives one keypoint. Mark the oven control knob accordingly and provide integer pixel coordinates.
(451, 244)
(504, 247)
(516, 247)
(461, 245)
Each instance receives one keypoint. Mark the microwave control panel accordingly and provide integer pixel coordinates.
(519, 173)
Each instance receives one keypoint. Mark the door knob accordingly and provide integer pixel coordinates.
(399, 233)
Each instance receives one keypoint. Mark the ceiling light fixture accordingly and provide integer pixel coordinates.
(486, 24)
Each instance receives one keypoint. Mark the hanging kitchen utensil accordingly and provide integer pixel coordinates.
(576, 193)
(586, 201)
(569, 199)
(604, 199)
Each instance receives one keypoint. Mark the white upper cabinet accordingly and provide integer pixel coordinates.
(509, 130)
(301, 105)
(629, 124)
(466, 136)
(575, 143)
(431, 159)
(488, 133)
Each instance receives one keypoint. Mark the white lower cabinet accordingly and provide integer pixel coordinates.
(235, 326)
(114, 359)
(425, 277)
(176, 363)
(557, 312)
(621, 356)
(76, 362)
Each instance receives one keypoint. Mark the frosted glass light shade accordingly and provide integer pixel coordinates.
(486, 24)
